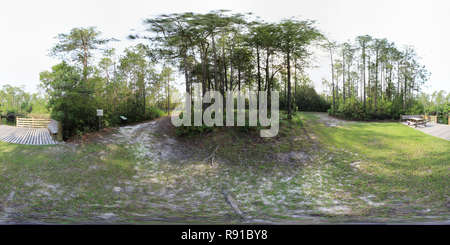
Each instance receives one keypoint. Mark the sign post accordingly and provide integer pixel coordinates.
(99, 114)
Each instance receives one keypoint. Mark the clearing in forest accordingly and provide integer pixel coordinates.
(318, 169)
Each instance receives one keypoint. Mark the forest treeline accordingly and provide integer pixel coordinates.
(370, 77)
(16, 101)
(374, 79)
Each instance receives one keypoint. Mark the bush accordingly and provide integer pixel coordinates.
(192, 130)
(153, 113)
(115, 121)
(330, 112)
(443, 119)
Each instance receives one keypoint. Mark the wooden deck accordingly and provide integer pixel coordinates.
(435, 129)
(26, 136)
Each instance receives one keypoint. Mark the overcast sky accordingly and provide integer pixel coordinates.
(28, 28)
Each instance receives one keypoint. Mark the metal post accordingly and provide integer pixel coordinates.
(99, 123)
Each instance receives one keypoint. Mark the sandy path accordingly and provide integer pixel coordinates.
(155, 141)
(331, 121)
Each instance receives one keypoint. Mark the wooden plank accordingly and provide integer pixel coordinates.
(25, 136)
(5, 131)
(22, 136)
(31, 137)
(46, 139)
(31, 125)
(39, 142)
(28, 136)
(38, 136)
(19, 136)
(33, 121)
(9, 135)
(43, 135)
(54, 141)
(46, 135)
(43, 132)
(15, 137)
(50, 140)
(34, 136)
(36, 119)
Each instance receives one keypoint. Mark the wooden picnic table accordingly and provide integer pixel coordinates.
(416, 121)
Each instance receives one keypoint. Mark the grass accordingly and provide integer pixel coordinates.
(396, 164)
(46, 180)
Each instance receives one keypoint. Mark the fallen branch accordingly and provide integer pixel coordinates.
(211, 154)
(231, 201)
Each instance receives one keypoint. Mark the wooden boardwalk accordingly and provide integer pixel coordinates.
(26, 136)
(435, 129)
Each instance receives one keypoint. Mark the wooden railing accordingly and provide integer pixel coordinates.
(32, 122)
(433, 119)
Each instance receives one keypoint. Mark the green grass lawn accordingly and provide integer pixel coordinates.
(396, 164)
(46, 180)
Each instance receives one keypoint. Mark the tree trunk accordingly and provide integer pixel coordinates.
(186, 76)
(267, 69)
(168, 96)
(332, 79)
(348, 77)
(204, 85)
(259, 72)
(115, 95)
(343, 74)
(225, 70)
(289, 85)
(364, 75)
(404, 101)
(376, 79)
(295, 89)
(216, 76)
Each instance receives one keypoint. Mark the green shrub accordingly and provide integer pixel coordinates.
(192, 130)
(153, 113)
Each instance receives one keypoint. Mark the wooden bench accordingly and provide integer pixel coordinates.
(55, 129)
(413, 119)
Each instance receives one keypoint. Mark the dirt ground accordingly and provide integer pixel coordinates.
(172, 178)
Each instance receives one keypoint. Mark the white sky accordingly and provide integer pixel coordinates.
(28, 28)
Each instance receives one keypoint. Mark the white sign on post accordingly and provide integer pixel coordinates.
(99, 114)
